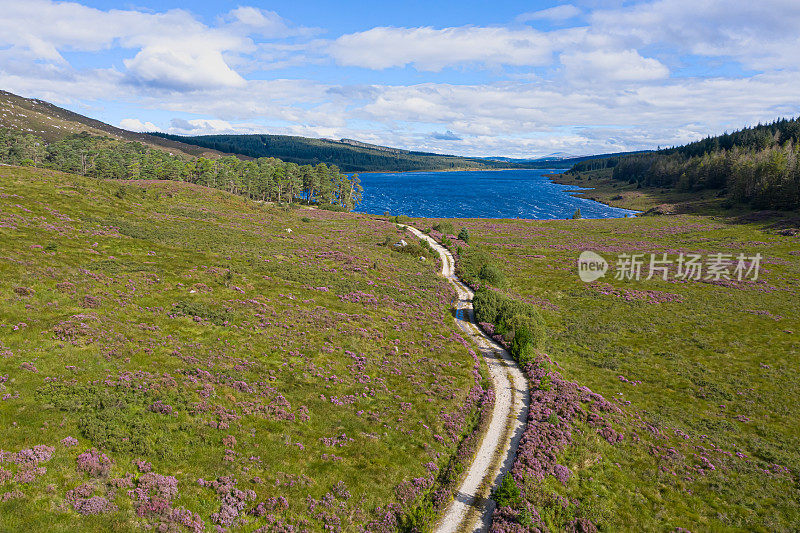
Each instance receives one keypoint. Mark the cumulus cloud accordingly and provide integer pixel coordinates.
(433, 49)
(134, 124)
(599, 65)
(209, 126)
(182, 68)
(172, 49)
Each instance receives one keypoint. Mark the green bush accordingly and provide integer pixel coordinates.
(444, 227)
(417, 250)
(492, 275)
(463, 235)
(519, 323)
(190, 309)
(419, 519)
(427, 246)
(507, 494)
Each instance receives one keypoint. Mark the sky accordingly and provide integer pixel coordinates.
(502, 78)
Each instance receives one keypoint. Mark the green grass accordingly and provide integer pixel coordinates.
(717, 369)
(124, 297)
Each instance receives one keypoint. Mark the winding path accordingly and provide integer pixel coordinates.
(472, 508)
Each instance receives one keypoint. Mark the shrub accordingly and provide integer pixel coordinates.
(492, 275)
(519, 323)
(463, 235)
(417, 250)
(419, 518)
(427, 246)
(444, 227)
(191, 309)
(577, 214)
(507, 494)
(305, 219)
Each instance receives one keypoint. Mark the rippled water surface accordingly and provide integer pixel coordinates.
(477, 194)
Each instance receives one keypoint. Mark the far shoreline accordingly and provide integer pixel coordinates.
(443, 170)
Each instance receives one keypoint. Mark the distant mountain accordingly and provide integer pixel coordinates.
(53, 123)
(348, 154)
(559, 159)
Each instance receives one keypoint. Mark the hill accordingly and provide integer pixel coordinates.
(54, 123)
(757, 166)
(265, 178)
(347, 154)
(173, 358)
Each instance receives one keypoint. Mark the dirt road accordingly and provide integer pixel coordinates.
(471, 510)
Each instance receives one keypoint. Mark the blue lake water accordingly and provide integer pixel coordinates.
(477, 194)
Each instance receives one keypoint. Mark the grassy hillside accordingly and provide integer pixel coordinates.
(350, 156)
(696, 423)
(172, 356)
(54, 123)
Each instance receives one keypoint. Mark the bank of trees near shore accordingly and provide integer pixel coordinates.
(759, 166)
(265, 178)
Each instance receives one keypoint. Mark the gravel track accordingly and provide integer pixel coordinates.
(472, 508)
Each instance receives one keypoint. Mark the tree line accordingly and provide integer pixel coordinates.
(350, 157)
(265, 178)
(759, 166)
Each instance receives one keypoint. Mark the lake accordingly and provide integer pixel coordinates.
(477, 194)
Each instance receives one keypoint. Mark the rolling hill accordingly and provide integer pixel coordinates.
(348, 154)
(53, 123)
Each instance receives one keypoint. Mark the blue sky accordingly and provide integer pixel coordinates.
(519, 79)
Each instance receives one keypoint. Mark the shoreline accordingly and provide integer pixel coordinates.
(443, 170)
(576, 193)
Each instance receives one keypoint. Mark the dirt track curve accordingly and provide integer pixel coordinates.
(471, 510)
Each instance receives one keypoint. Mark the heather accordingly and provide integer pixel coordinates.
(655, 404)
(172, 357)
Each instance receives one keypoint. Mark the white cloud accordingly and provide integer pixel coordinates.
(759, 34)
(557, 13)
(203, 126)
(618, 81)
(172, 49)
(182, 68)
(264, 23)
(598, 65)
(433, 49)
(134, 124)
